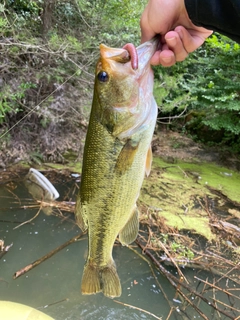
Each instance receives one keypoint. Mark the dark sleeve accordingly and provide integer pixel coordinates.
(222, 16)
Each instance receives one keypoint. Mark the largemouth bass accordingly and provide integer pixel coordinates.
(117, 155)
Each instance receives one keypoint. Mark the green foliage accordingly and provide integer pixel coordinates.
(168, 91)
(3, 22)
(10, 100)
(208, 83)
(125, 21)
(23, 12)
(182, 251)
(218, 89)
(24, 7)
(76, 29)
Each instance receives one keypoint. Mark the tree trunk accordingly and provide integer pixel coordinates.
(48, 7)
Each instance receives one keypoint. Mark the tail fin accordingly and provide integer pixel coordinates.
(106, 280)
(90, 280)
(111, 285)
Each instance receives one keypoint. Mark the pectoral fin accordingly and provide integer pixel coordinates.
(148, 161)
(80, 215)
(130, 231)
(126, 157)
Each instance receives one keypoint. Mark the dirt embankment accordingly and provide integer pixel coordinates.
(65, 141)
(172, 146)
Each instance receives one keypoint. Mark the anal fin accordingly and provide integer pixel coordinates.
(130, 231)
(80, 215)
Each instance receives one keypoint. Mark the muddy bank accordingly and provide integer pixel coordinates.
(172, 146)
(64, 143)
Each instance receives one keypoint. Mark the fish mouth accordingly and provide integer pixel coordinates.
(144, 52)
(117, 54)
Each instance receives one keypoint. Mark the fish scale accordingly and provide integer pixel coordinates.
(117, 154)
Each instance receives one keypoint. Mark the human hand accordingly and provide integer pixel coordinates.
(178, 35)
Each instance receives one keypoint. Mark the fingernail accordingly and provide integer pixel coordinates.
(172, 41)
(167, 59)
(180, 33)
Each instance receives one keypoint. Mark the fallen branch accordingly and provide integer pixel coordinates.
(53, 303)
(48, 255)
(177, 283)
(28, 221)
(142, 310)
(192, 304)
(220, 289)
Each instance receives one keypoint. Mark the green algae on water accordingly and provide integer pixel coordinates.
(178, 189)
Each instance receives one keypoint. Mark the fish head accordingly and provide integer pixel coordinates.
(121, 93)
(114, 78)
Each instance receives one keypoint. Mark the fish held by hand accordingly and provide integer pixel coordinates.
(117, 155)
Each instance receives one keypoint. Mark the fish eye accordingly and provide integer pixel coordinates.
(103, 76)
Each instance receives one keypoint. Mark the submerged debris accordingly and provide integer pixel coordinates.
(4, 249)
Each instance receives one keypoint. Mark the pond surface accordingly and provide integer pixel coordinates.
(54, 285)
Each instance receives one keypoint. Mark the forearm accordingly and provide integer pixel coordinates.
(218, 15)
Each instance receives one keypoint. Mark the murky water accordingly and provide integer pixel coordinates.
(54, 285)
